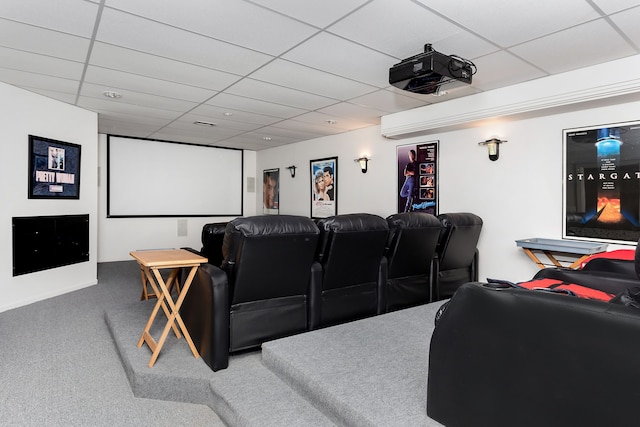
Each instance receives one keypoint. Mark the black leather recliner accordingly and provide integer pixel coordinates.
(506, 357)
(354, 269)
(212, 238)
(260, 292)
(411, 257)
(457, 252)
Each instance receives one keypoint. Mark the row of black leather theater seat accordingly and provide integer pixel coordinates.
(273, 276)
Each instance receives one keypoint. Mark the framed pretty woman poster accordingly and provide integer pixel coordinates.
(324, 187)
(54, 169)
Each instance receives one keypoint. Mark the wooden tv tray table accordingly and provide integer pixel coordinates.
(151, 261)
(550, 246)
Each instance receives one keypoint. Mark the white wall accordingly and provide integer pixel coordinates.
(23, 113)
(119, 236)
(519, 196)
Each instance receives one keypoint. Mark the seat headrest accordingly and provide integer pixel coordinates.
(353, 222)
(265, 225)
(413, 220)
(213, 229)
(459, 219)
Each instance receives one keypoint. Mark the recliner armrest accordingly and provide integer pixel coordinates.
(314, 301)
(382, 285)
(205, 312)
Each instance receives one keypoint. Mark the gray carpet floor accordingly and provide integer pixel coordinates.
(73, 360)
(59, 365)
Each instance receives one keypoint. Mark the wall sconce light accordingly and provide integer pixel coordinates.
(292, 171)
(364, 163)
(493, 145)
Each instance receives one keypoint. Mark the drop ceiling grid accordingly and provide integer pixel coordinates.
(285, 66)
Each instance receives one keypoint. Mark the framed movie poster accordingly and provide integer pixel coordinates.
(418, 177)
(54, 169)
(601, 188)
(271, 191)
(324, 187)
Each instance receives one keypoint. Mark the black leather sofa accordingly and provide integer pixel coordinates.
(502, 356)
(283, 274)
(261, 290)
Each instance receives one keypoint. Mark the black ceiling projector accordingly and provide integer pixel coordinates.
(426, 72)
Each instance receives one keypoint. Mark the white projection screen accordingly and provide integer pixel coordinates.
(149, 178)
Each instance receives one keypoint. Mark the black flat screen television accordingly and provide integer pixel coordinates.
(44, 242)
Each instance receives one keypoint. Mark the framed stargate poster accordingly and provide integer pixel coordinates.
(601, 189)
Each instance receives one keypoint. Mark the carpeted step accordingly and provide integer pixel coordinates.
(246, 394)
(372, 372)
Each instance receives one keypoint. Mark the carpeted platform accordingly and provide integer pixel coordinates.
(371, 372)
(367, 373)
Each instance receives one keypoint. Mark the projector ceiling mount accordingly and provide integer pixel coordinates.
(426, 72)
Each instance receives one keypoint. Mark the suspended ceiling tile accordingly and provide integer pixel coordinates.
(144, 35)
(232, 21)
(140, 98)
(559, 52)
(299, 135)
(341, 124)
(388, 26)
(118, 106)
(278, 94)
(344, 58)
(296, 76)
(254, 141)
(76, 17)
(212, 132)
(255, 106)
(503, 69)
(150, 122)
(389, 101)
(507, 22)
(345, 109)
(134, 62)
(628, 22)
(125, 127)
(463, 44)
(69, 98)
(125, 82)
(176, 135)
(38, 81)
(612, 6)
(40, 64)
(215, 113)
(317, 127)
(220, 122)
(42, 41)
(319, 13)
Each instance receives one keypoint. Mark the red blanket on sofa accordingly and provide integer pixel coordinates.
(568, 288)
